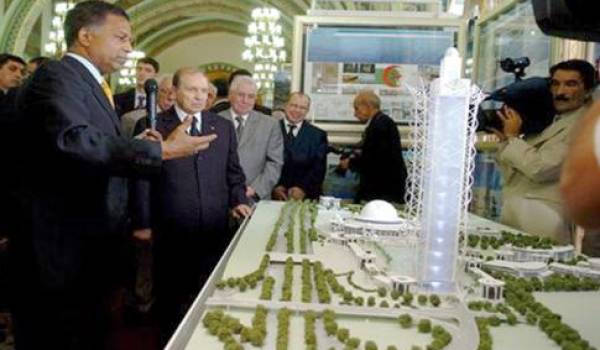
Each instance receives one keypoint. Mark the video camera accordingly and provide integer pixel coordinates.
(572, 19)
(531, 98)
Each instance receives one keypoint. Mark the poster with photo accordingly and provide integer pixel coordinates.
(341, 61)
(391, 82)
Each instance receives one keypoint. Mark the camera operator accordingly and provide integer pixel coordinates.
(531, 165)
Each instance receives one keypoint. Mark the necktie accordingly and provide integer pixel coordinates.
(193, 129)
(290, 134)
(240, 127)
(141, 102)
(108, 92)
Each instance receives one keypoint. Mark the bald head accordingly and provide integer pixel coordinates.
(166, 95)
(191, 89)
(366, 105)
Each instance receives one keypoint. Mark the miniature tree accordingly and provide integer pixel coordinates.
(343, 334)
(360, 301)
(434, 299)
(407, 299)
(391, 347)
(395, 294)
(494, 321)
(382, 292)
(424, 326)
(331, 327)
(353, 343)
(422, 299)
(511, 319)
(384, 303)
(531, 318)
(405, 321)
(371, 301)
(370, 345)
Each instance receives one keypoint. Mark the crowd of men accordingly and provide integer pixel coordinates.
(95, 177)
(92, 176)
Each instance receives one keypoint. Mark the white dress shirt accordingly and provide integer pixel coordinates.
(139, 96)
(89, 66)
(296, 129)
(235, 118)
(181, 114)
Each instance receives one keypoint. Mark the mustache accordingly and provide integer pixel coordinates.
(561, 98)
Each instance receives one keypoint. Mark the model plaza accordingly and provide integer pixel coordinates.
(297, 278)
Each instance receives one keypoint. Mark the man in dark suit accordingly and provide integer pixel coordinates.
(135, 98)
(380, 162)
(12, 70)
(186, 209)
(305, 153)
(66, 249)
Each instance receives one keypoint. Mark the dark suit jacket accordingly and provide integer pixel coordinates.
(193, 195)
(381, 165)
(124, 102)
(305, 159)
(76, 178)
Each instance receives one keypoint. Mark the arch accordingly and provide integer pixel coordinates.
(18, 22)
(151, 16)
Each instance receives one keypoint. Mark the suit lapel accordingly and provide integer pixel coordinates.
(249, 128)
(208, 123)
(167, 122)
(96, 90)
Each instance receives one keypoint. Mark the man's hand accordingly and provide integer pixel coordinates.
(511, 122)
(149, 135)
(280, 193)
(241, 211)
(144, 234)
(179, 144)
(250, 192)
(297, 193)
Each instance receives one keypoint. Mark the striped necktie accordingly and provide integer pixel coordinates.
(108, 93)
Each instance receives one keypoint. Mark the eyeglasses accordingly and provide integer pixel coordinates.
(302, 107)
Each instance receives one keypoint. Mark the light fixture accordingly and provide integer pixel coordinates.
(265, 47)
(127, 72)
(57, 45)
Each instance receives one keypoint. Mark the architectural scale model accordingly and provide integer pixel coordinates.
(303, 275)
(320, 276)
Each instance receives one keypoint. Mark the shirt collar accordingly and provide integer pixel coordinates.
(89, 66)
(235, 115)
(181, 114)
(288, 124)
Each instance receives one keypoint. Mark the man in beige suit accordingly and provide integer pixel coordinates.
(260, 142)
(531, 166)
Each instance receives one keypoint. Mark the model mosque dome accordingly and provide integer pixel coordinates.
(378, 219)
(379, 211)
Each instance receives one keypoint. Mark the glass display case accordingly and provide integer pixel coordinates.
(510, 32)
(334, 60)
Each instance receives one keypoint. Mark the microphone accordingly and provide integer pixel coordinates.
(151, 88)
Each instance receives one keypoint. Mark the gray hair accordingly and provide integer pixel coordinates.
(165, 77)
(240, 80)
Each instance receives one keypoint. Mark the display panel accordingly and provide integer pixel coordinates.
(340, 61)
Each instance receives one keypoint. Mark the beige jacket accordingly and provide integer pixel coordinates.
(531, 166)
